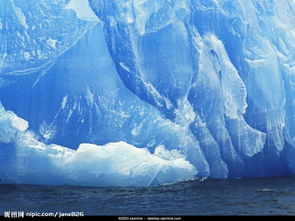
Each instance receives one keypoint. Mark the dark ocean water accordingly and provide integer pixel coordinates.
(269, 196)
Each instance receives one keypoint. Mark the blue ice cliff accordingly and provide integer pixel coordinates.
(146, 92)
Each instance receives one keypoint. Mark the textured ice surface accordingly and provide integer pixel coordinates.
(207, 87)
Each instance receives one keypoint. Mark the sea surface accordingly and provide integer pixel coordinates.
(268, 196)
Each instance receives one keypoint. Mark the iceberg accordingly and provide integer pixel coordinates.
(145, 92)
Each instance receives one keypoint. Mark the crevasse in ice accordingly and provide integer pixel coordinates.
(145, 92)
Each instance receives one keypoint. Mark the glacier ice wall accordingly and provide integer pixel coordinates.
(142, 80)
(230, 60)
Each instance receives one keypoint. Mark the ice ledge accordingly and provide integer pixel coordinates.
(83, 10)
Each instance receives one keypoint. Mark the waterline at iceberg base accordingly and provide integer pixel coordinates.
(146, 92)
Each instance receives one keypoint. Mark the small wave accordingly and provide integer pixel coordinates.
(266, 190)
